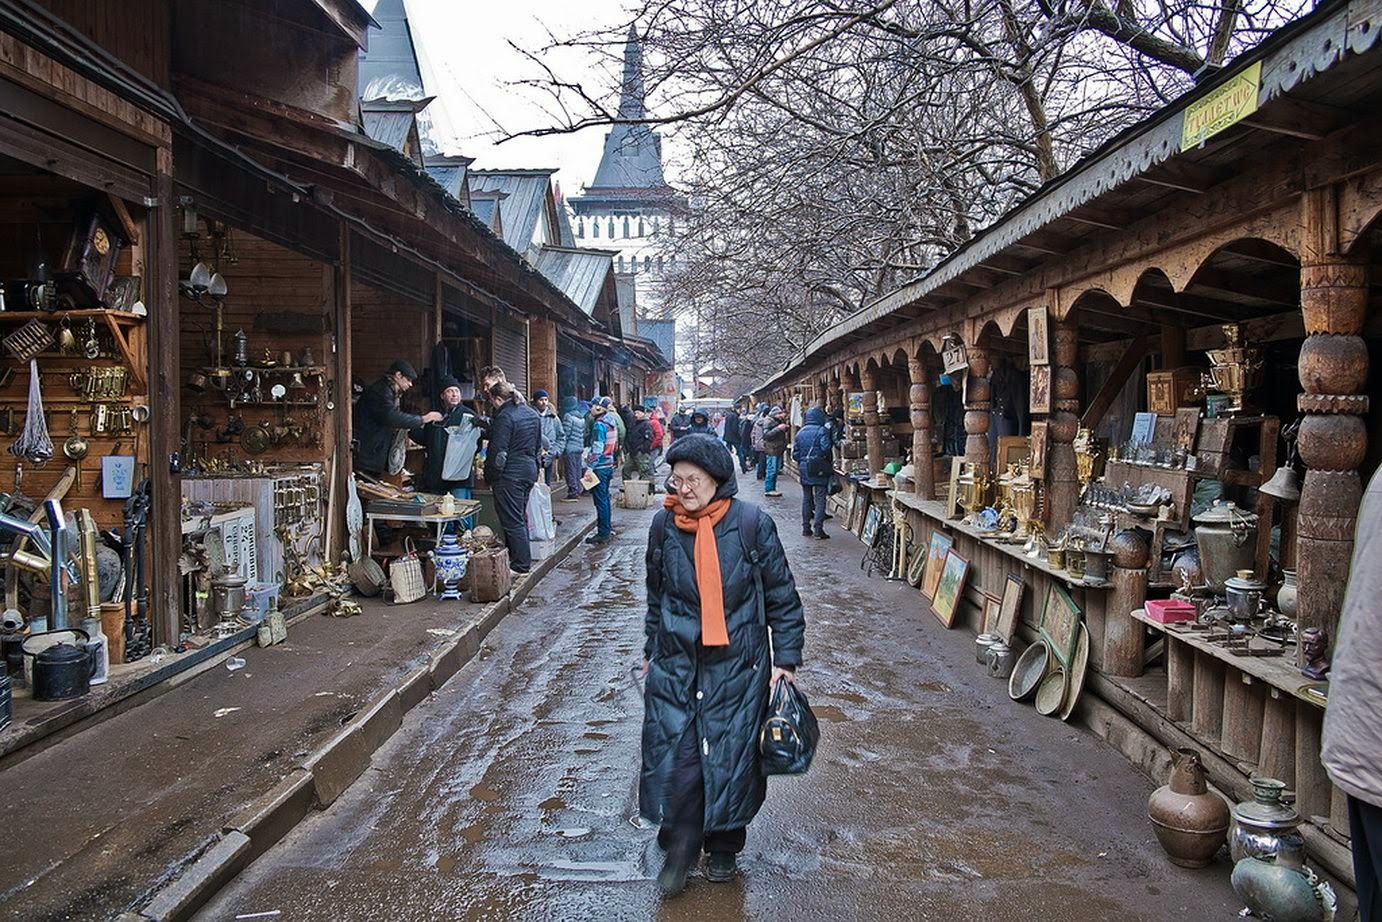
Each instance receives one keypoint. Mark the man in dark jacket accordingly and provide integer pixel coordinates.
(748, 458)
(709, 664)
(680, 424)
(815, 463)
(511, 466)
(638, 458)
(434, 437)
(775, 433)
(378, 419)
(732, 434)
(700, 423)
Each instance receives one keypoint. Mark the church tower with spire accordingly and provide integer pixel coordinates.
(629, 208)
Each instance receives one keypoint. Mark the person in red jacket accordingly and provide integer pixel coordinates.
(655, 417)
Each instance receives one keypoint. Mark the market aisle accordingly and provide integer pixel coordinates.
(933, 796)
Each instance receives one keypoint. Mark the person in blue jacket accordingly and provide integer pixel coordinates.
(812, 451)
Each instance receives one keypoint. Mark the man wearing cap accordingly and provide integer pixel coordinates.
(378, 420)
(553, 433)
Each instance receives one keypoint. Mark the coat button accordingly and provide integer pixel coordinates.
(700, 695)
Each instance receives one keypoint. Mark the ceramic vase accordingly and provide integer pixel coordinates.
(1281, 891)
(1266, 828)
(1189, 820)
(451, 560)
(1286, 595)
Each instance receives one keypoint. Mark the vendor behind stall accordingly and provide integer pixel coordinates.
(434, 438)
(379, 422)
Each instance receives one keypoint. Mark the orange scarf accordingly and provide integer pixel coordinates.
(707, 560)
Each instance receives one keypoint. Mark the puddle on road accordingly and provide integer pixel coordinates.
(851, 697)
(484, 792)
(599, 723)
(830, 712)
(552, 804)
(594, 735)
(581, 751)
(935, 687)
(446, 863)
(473, 834)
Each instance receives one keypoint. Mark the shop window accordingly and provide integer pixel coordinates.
(647, 264)
(595, 229)
(641, 230)
(580, 228)
(611, 228)
(659, 264)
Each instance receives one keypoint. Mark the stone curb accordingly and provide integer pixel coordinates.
(329, 772)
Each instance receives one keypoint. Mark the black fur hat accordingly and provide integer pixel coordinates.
(706, 452)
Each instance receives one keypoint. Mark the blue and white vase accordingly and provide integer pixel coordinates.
(451, 559)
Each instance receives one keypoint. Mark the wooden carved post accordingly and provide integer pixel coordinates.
(923, 471)
(978, 403)
(872, 422)
(1062, 482)
(1125, 644)
(1333, 439)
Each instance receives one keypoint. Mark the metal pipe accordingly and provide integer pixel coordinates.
(57, 523)
(31, 530)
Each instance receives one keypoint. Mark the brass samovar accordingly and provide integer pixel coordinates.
(1234, 370)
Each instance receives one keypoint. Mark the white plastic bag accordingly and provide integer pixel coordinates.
(461, 442)
(541, 525)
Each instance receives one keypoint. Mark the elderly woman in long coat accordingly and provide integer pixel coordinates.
(718, 633)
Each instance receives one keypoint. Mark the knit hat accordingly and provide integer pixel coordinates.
(585, 406)
(403, 368)
(706, 452)
(446, 381)
(606, 402)
(540, 393)
(568, 403)
(776, 411)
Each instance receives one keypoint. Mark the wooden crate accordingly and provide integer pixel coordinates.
(489, 575)
(1173, 388)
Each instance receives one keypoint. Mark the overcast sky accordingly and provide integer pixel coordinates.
(468, 65)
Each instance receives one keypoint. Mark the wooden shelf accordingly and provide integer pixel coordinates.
(1279, 672)
(935, 509)
(265, 369)
(92, 314)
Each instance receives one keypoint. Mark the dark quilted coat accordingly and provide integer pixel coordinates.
(724, 690)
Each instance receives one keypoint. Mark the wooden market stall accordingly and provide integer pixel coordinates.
(1188, 312)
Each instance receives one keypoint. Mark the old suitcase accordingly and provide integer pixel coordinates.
(490, 579)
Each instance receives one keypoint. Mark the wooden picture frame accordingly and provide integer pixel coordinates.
(1010, 607)
(1038, 337)
(1038, 454)
(936, 550)
(952, 498)
(873, 518)
(1012, 449)
(992, 606)
(857, 506)
(1060, 623)
(1187, 426)
(1039, 389)
(946, 601)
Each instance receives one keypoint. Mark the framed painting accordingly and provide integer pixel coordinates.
(872, 519)
(1038, 463)
(916, 568)
(1009, 607)
(1039, 389)
(935, 562)
(1060, 623)
(1187, 426)
(1038, 339)
(1013, 449)
(952, 582)
(858, 504)
(992, 606)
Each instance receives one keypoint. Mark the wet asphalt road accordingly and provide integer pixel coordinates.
(509, 795)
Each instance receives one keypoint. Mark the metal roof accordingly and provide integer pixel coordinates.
(525, 201)
(663, 333)
(450, 172)
(580, 274)
(389, 67)
(1330, 34)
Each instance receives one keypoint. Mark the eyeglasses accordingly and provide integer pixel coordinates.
(692, 483)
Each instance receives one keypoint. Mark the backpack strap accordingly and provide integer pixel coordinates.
(748, 537)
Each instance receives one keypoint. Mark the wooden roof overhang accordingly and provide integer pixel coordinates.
(385, 194)
(1140, 203)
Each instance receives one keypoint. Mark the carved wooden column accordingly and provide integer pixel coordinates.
(978, 404)
(873, 424)
(1062, 483)
(1125, 643)
(923, 471)
(1333, 439)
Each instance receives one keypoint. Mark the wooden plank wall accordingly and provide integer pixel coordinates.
(385, 327)
(135, 31)
(267, 280)
(26, 204)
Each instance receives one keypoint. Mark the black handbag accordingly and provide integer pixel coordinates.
(788, 738)
(833, 487)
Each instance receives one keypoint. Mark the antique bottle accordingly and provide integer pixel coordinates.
(1189, 819)
(1286, 595)
(451, 560)
(1266, 828)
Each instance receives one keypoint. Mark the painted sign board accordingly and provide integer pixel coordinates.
(1224, 107)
